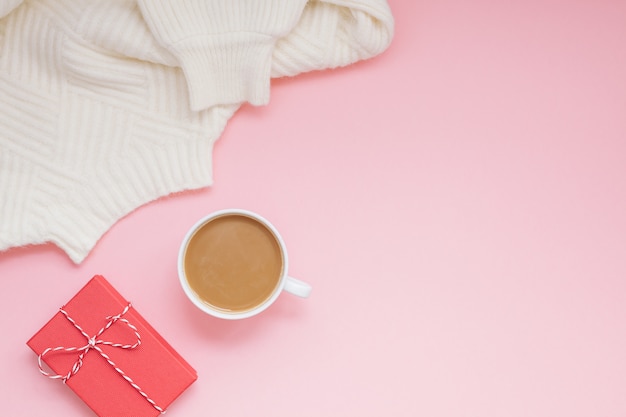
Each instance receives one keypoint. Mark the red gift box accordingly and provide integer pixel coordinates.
(110, 356)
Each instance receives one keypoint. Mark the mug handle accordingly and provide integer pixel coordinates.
(297, 287)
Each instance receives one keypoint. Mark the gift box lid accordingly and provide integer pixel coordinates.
(119, 377)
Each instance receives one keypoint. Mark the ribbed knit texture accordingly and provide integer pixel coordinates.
(221, 42)
(107, 105)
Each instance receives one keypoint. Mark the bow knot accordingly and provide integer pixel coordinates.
(92, 343)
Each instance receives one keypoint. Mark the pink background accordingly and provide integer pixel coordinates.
(458, 205)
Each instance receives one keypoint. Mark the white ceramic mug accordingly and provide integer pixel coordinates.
(285, 282)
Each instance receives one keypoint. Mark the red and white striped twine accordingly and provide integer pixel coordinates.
(93, 342)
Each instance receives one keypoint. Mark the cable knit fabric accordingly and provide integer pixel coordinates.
(107, 105)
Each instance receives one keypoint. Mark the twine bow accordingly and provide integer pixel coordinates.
(94, 342)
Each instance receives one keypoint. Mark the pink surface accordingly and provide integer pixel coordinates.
(458, 205)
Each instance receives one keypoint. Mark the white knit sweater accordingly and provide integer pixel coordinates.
(106, 105)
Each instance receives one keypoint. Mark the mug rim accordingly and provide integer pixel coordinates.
(205, 307)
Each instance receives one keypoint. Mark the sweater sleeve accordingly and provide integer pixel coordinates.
(334, 33)
(224, 47)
